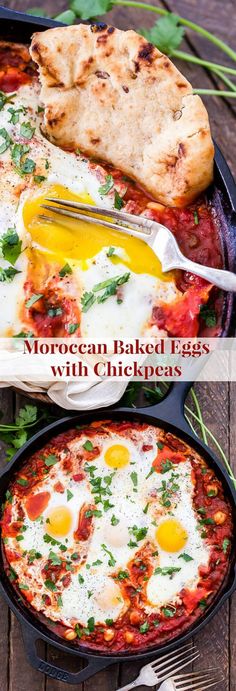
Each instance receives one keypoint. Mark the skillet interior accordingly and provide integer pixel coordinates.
(18, 27)
(157, 415)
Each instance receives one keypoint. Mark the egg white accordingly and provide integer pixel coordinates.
(107, 319)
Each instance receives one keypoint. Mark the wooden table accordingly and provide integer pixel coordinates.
(217, 642)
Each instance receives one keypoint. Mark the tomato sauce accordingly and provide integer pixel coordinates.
(135, 629)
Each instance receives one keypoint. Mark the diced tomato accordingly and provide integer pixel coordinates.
(85, 523)
(166, 455)
(36, 504)
(12, 79)
(181, 317)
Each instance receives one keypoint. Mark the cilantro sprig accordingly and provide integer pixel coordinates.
(109, 287)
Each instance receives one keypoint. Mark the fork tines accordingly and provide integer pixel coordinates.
(173, 662)
(197, 681)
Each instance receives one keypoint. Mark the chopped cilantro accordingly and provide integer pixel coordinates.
(69, 494)
(139, 533)
(50, 460)
(119, 203)
(22, 481)
(88, 446)
(56, 561)
(185, 556)
(6, 140)
(166, 570)
(114, 520)
(50, 585)
(7, 275)
(72, 328)
(111, 560)
(169, 612)
(54, 312)
(110, 251)
(10, 245)
(66, 269)
(34, 298)
(196, 219)
(26, 130)
(109, 183)
(87, 300)
(144, 627)
(226, 543)
(166, 466)
(208, 315)
(134, 478)
(39, 178)
(80, 578)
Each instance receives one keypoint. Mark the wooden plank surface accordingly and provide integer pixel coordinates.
(216, 642)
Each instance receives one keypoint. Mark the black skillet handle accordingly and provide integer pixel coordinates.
(171, 408)
(30, 637)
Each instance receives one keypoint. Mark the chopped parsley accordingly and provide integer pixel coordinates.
(134, 478)
(139, 533)
(185, 557)
(88, 446)
(7, 275)
(22, 165)
(87, 300)
(111, 560)
(110, 251)
(39, 178)
(69, 494)
(114, 520)
(59, 601)
(32, 555)
(144, 627)
(208, 315)
(203, 603)
(54, 311)
(166, 570)
(122, 575)
(169, 612)
(15, 114)
(10, 245)
(22, 481)
(196, 219)
(166, 466)
(50, 460)
(107, 186)
(5, 98)
(50, 585)
(145, 510)
(6, 140)
(93, 512)
(225, 545)
(26, 130)
(72, 328)
(56, 561)
(80, 578)
(23, 586)
(34, 298)
(207, 521)
(118, 203)
(66, 269)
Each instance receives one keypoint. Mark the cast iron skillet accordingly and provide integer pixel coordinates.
(19, 27)
(169, 414)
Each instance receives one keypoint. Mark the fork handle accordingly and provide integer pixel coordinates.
(219, 277)
(132, 685)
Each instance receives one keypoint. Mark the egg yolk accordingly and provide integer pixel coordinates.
(59, 521)
(117, 456)
(109, 597)
(68, 239)
(171, 536)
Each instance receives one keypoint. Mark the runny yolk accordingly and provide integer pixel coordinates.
(69, 240)
(117, 456)
(171, 536)
(59, 521)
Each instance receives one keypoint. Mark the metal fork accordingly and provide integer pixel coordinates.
(157, 236)
(165, 666)
(195, 681)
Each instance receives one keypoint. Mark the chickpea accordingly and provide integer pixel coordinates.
(109, 635)
(128, 636)
(212, 490)
(70, 635)
(134, 617)
(155, 206)
(219, 517)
